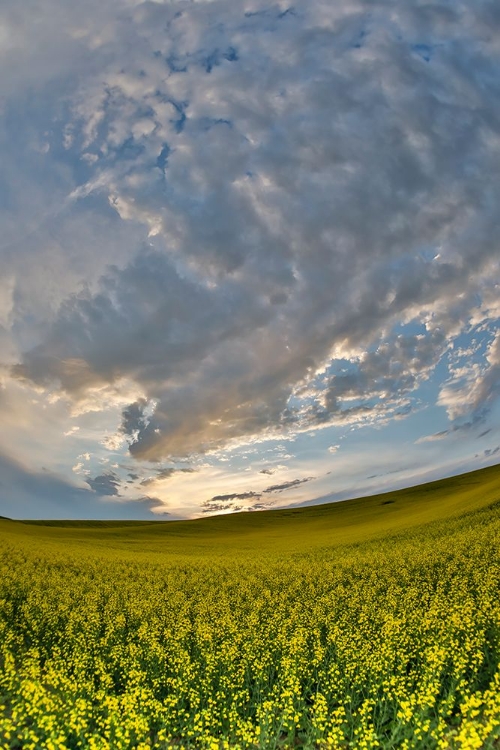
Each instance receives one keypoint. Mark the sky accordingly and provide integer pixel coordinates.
(249, 252)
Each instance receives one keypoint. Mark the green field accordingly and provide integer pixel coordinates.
(372, 623)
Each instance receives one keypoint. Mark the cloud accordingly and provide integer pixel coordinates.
(492, 451)
(456, 429)
(230, 231)
(485, 432)
(230, 502)
(237, 501)
(214, 507)
(166, 473)
(233, 496)
(230, 497)
(105, 484)
(25, 493)
(375, 384)
(474, 387)
(112, 442)
(154, 504)
(288, 485)
(145, 321)
(432, 438)
(262, 506)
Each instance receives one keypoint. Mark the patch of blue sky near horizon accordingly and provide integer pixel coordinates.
(245, 248)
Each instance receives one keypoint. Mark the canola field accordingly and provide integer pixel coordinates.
(373, 623)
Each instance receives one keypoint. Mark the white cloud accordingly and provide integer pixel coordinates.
(432, 438)
(113, 442)
(473, 388)
(7, 285)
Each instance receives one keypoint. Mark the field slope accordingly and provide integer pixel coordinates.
(372, 623)
(331, 524)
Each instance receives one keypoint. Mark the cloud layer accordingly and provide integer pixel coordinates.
(237, 222)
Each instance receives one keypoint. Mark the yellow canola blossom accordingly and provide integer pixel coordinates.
(392, 643)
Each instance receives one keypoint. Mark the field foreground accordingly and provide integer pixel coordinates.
(373, 623)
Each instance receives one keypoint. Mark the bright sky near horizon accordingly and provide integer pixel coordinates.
(249, 252)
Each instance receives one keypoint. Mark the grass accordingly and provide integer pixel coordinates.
(371, 623)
